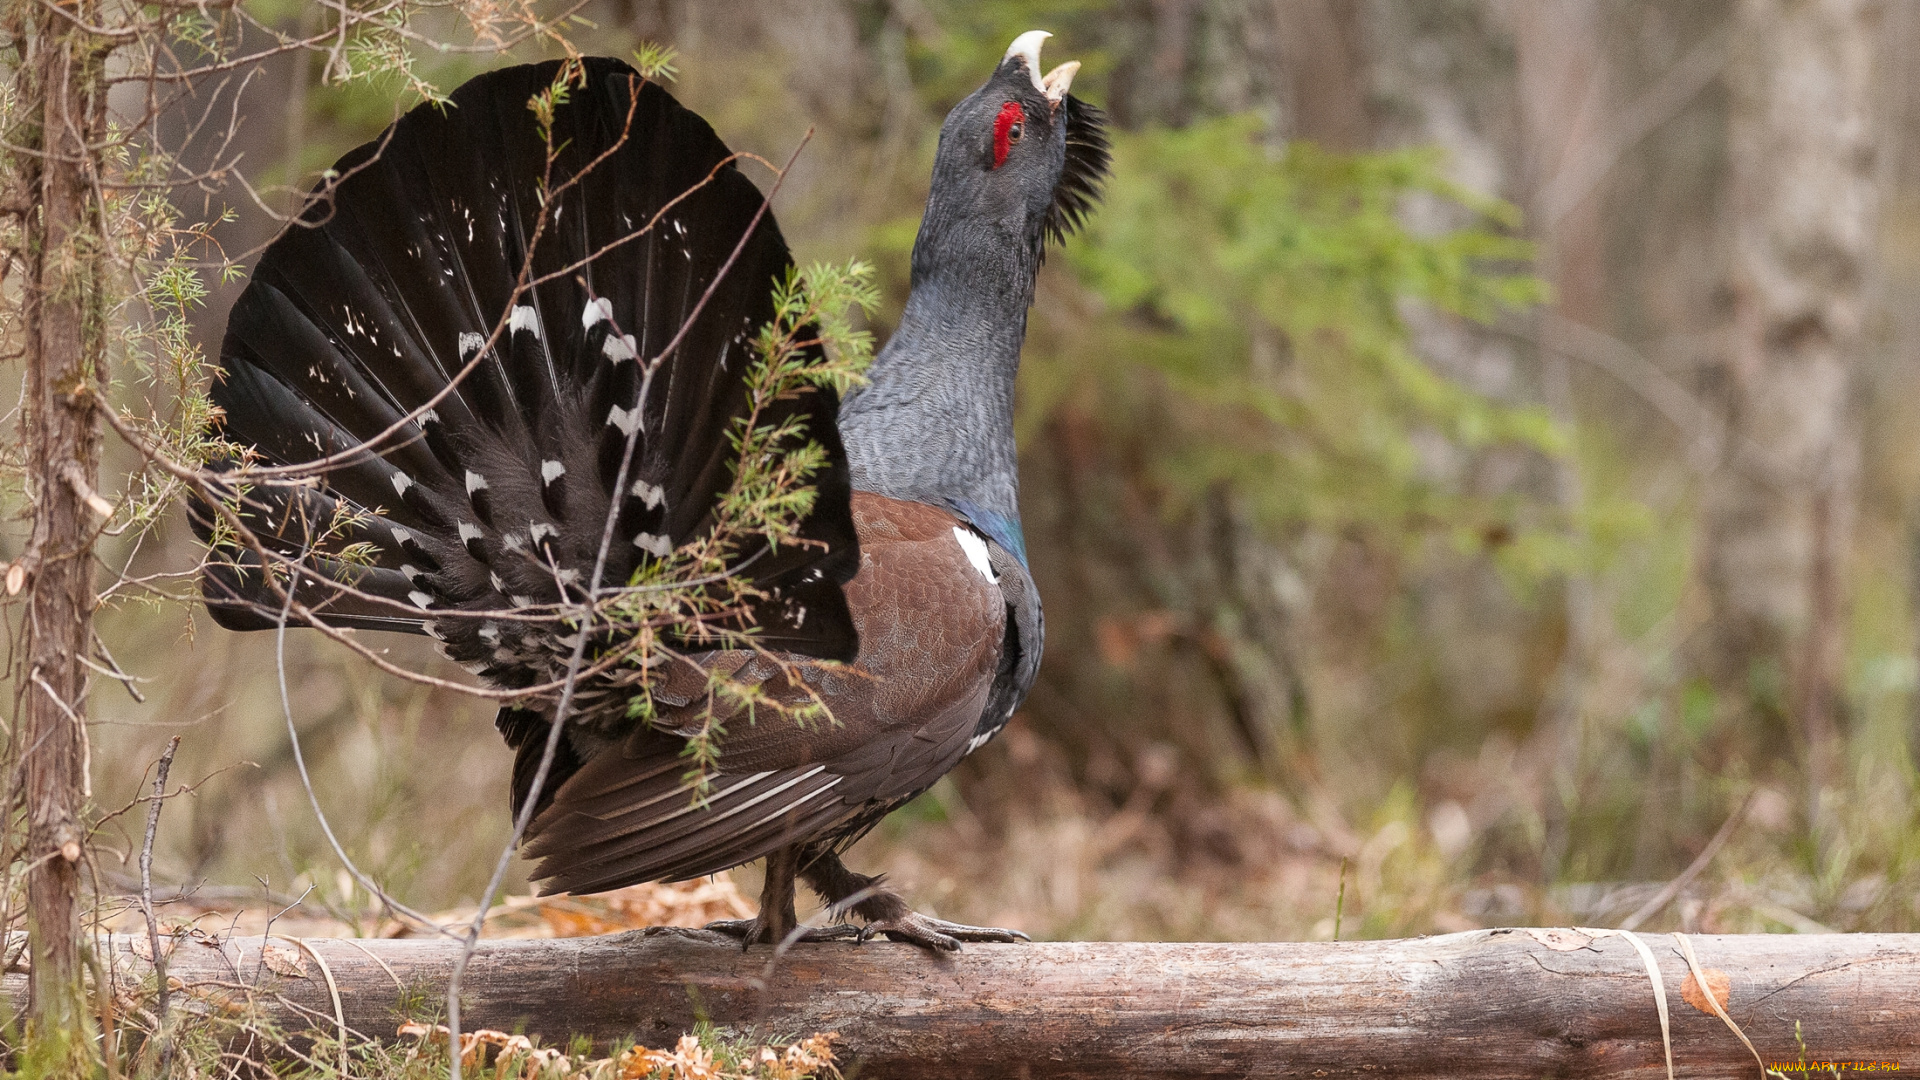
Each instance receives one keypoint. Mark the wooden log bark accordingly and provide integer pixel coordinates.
(1486, 1003)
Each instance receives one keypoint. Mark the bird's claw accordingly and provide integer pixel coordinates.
(750, 932)
(937, 934)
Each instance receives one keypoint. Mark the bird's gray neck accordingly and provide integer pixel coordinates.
(934, 424)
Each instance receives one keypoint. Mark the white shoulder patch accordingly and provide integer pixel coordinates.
(976, 550)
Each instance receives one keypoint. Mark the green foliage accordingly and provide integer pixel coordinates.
(695, 596)
(1264, 290)
(156, 344)
(656, 61)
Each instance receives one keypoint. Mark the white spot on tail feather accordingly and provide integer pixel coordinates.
(469, 532)
(551, 471)
(470, 343)
(493, 578)
(421, 600)
(624, 419)
(651, 494)
(597, 310)
(623, 347)
(524, 318)
(401, 482)
(475, 482)
(976, 550)
(657, 546)
(539, 529)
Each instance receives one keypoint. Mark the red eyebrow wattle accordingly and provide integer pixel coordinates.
(1010, 114)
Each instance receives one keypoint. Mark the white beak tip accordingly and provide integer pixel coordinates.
(1027, 48)
(1058, 81)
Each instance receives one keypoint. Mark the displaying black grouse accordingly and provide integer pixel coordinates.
(482, 506)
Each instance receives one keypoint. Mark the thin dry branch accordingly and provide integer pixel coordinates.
(159, 954)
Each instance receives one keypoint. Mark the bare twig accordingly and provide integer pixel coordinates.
(1677, 86)
(313, 797)
(114, 671)
(1672, 889)
(146, 901)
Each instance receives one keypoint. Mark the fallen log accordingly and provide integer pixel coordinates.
(1486, 1003)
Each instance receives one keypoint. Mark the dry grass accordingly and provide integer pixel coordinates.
(689, 903)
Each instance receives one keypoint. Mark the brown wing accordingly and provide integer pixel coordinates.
(931, 621)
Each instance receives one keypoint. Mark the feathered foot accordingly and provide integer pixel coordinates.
(776, 924)
(886, 913)
(751, 932)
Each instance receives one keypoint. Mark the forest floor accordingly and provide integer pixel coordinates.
(1062, 863)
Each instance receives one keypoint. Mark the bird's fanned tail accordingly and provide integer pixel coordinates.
(493, 496)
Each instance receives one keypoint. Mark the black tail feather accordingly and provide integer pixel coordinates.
(367, 310)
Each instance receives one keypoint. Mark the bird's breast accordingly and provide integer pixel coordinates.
(925, 601)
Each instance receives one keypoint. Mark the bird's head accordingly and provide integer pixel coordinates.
(1021, 159)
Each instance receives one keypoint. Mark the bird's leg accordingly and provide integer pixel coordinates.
(776, 921)
(883, 909)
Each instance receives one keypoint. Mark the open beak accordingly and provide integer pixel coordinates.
(1057, 81)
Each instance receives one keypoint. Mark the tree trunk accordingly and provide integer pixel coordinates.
(63, 377)
(1566, 98)
(1777, 512)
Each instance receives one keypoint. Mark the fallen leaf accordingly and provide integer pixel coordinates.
(568, 924)
(1717, 983)
(16, 578)
(284, 961)
(1559, 940)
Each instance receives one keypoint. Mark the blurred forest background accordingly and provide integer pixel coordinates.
(1474, 457)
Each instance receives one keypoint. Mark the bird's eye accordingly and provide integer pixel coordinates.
(1006, 130)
